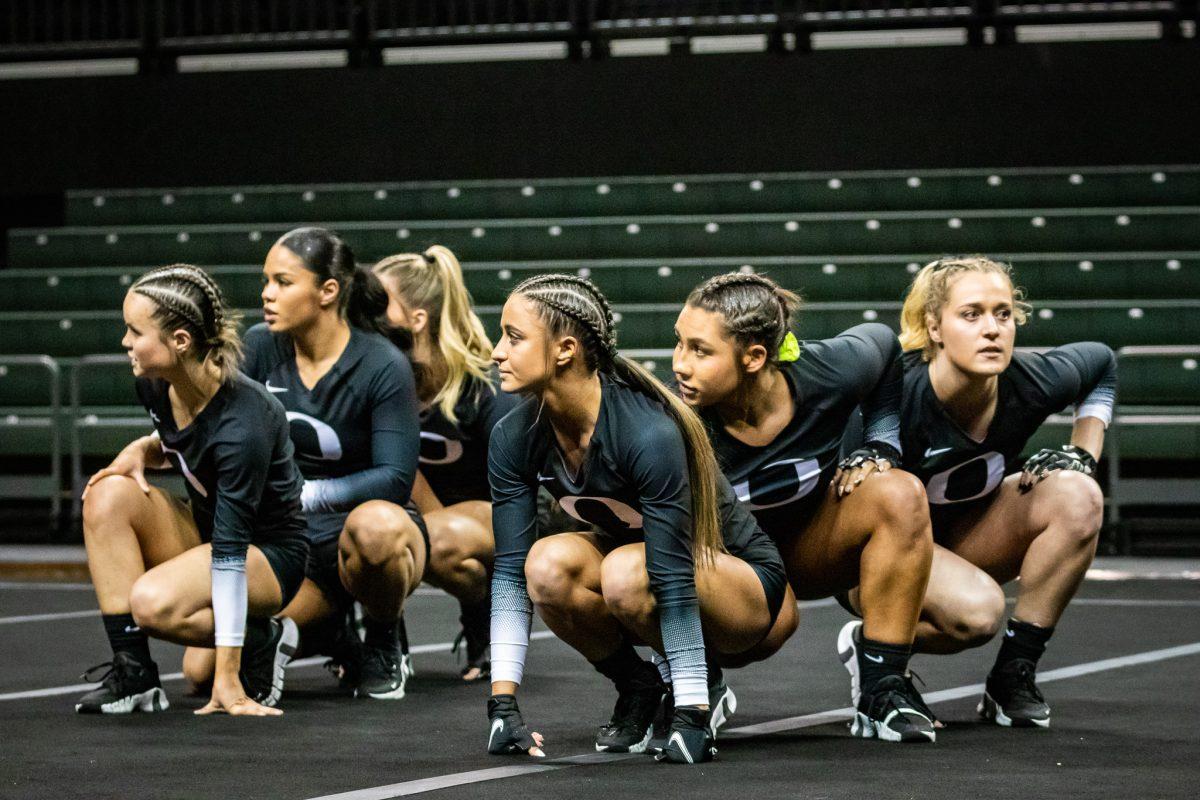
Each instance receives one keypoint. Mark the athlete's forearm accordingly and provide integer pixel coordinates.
(1088, 434)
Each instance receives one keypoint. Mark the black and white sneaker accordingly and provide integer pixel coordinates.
(263, 661)
(384, 673)
(722, 705)
(128, 686)
(847, 647)
(849, 654)
(632, 722)
(690, 740)
(660, 729)
(890, 713)
(476, 634)
(1011, 697)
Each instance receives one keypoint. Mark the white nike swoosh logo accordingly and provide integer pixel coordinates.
(542, 477)
(1009, 633)
(132, 629)
(931, 452)
(876, 659)
(154, 416)
(677, 740)
(497, 726)
(276, 389)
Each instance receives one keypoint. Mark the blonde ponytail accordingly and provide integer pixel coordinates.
(930, 291)
(433, 281)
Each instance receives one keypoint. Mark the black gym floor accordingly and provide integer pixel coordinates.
(1122, 675)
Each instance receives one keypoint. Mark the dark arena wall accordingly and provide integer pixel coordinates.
(1021, 105)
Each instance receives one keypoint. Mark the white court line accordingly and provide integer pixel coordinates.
(50, 585)
(55, 691)
(791, 723)
(49, 617)
(1101, 601)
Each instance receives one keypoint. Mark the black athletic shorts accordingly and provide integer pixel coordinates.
(288, 559)
(774, 583)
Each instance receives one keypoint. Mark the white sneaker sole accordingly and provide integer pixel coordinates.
(150, 701)
(990, 709)
(640, 747)
(285, 651)
(722, 711)
(847, 648)
(864, 727)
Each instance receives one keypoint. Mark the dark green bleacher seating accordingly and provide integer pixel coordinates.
(698, 194)
(1093, 276)
(1160, 376)
(650, 325)
(1117, 229)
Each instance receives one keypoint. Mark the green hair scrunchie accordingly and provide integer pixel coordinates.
(790, 349)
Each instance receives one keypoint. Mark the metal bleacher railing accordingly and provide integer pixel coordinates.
(42, 421)
(156, 31)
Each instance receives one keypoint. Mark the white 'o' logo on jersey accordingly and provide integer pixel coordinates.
(452, 449)
(187, 473)
(622, 512)
(808, 474)
(327, 438)
(966, 481)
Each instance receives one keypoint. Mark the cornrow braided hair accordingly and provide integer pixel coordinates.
(589, 310)
(187, 297)
(756, 310)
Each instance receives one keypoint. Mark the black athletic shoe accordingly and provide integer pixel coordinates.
(341, 641)
(631, 726)
(263, 661)
(889, 712)
(1012, 698)
(476, 633)
(918, 700)
(660, 729)
(128, 686)
(384, 673)
(690, 741)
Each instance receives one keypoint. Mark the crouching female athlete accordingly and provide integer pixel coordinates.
(351, 402)
(970, 406)
(153, 576)
(430, 316)
(679, 562)
(776, 410)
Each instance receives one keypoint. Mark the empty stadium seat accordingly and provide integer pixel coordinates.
(686, 194)
(995, 231)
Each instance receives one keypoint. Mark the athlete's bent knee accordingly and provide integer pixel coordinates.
(1077, 502)
(979, 616)
(152, 606)
(374, 531)
(626, 585)
(552, 570)
(900, 502)
(109, 499)
(448, 544)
